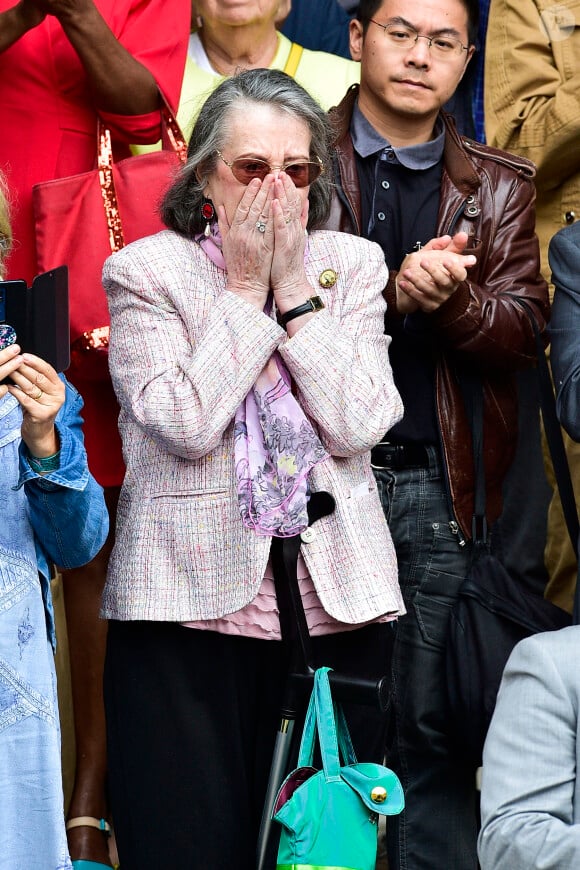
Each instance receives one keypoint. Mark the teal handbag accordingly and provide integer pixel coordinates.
(329, 817)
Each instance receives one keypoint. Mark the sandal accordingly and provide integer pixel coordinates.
(90, 822)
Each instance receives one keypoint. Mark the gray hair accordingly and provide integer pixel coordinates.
(181, 206)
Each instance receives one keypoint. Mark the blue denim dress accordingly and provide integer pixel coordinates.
(32, 833)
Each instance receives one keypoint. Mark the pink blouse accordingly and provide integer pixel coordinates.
(259, 618)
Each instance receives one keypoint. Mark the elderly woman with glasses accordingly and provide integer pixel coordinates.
(248, 355)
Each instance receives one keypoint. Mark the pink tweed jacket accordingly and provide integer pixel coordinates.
(184, 353)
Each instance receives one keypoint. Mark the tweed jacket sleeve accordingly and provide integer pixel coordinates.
(529, 795)
(185, 351)
(339, 359)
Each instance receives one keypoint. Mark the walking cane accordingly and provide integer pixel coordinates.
(294, 631)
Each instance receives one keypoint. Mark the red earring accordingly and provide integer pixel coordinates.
(208, 213)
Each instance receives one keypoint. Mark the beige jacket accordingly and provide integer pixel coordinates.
(532, 101)
(184, 353)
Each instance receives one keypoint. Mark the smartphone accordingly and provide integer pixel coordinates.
(37, 317)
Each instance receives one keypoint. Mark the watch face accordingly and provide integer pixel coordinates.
(317, 303)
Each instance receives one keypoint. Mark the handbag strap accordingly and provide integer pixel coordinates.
(328, 720)
(554, 433)
(555, 447)
(473, 397)
(172, 139)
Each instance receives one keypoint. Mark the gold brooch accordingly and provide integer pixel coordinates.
(327, 278)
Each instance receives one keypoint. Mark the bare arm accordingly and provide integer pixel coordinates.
(17, 21)
(118, 82)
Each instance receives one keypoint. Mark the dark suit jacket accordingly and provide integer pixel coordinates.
(564, 256)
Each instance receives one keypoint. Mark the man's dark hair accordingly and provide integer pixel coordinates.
(367, 9)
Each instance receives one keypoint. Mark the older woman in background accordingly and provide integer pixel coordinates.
(248, 355)
(52, 511)
(228, 37)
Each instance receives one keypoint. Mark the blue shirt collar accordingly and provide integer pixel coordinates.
(367, 141)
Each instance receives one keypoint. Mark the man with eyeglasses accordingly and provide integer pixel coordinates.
(455, 220)
(532, 107)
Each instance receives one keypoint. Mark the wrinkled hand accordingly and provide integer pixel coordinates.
(40, 392)
(427, 278)
(247, 251)
(258, 262)
(289, 215)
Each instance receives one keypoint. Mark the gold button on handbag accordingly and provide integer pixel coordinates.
(379, 795)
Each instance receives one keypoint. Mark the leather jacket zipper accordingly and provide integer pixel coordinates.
(456, 216)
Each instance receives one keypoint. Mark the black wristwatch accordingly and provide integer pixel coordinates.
(315, 303)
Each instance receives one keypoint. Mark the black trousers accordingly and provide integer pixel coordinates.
(191, 724)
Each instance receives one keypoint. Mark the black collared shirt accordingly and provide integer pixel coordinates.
(400, 191)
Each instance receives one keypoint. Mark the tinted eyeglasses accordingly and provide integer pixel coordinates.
(301, 172)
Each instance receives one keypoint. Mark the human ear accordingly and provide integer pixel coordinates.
(356, 38)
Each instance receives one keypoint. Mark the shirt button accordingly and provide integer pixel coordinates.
(385, 185)
(391, 156)
(308, 535)
(381, 215)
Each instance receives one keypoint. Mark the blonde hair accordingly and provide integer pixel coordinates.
(5, 228)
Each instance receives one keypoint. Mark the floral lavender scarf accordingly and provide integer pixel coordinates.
(275, 445)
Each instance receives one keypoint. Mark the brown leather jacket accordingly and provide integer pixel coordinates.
(490, 195)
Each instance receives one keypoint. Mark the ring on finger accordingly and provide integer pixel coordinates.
(38, 395)
(261, 226)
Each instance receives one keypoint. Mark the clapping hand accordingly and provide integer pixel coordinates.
(428, 277)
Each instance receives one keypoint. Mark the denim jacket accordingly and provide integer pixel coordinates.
(60, 517)
(67, 510)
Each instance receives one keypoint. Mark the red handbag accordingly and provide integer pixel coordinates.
(82, 219)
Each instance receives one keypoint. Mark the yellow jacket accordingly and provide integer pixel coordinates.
(326, 77)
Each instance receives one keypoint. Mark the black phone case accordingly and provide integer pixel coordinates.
(40, 315)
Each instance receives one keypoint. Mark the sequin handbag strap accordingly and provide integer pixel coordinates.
(172, 139)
